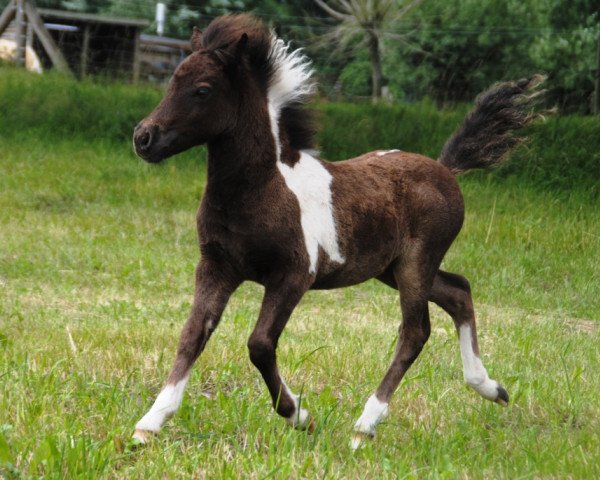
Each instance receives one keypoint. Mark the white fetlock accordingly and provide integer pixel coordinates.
(484, 385)
(475, 374)
(374, 412)
(166, 404)
(300, 419)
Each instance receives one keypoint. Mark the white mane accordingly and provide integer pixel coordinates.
(291, 82)
(292, 77)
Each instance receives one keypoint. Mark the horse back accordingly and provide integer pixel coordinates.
(384, 203)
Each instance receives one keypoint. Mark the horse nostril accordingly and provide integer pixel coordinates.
(144, 137)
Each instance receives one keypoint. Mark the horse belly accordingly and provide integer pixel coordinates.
(345, 277)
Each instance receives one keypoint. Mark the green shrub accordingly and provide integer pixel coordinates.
(351, 129)
(356, 79)
(563, 152)
(54, 106)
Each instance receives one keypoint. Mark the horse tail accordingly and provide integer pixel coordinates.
(485, 137)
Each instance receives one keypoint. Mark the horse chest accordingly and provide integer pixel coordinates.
(290, 221)
(255, 240)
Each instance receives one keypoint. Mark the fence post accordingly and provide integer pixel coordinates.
(85, 53)
(58, 60)
(21, 33)
(597, 99)
(7, 16)
(136, 56)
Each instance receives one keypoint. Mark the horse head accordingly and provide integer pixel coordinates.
(200, 103)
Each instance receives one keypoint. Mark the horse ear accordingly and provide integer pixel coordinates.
(241, 45)
(196, 39)
(230, 55)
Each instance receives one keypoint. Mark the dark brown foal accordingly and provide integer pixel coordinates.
(274, 214)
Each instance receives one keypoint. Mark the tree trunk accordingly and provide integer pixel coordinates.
(376, 75)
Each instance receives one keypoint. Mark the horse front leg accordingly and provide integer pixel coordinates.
(413, 278)
(214, 286)
(278, 303)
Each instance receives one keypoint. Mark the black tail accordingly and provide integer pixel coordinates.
(484, 139)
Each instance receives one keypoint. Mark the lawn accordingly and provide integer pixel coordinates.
(97, 252)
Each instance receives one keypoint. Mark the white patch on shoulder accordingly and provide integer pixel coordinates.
(310, 181)
(475, 374)
(165, 405)
(381, 153)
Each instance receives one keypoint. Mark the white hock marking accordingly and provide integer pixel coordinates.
(374, 412)
(475, 374)
(381, 153)
(165, 405)
(300, 418)
(310, 181)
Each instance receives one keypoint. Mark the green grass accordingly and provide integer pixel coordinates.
(99, 247)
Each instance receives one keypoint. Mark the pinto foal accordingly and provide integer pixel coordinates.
(275, 214)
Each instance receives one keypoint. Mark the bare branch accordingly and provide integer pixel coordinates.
(408, 7)
(346, 5)
(331, 12)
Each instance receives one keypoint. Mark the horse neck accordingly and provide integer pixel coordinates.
(237, 162)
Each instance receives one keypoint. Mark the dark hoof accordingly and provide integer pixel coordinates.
(502, 398)
(311, 426)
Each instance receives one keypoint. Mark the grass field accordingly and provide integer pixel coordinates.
(97, 252)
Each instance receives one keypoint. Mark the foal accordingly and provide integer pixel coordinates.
(275, 214)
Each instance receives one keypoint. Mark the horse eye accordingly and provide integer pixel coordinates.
(202, 92)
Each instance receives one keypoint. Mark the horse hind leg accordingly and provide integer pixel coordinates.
(453, 294)
(414, 282)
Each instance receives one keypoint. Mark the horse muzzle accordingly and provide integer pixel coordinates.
(145, 142)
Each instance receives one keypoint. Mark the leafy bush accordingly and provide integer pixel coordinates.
(54, 106)
(356, 79)
(563, 152)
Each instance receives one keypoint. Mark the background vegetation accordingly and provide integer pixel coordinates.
(97, 252)
(555, 157)
(446, 50)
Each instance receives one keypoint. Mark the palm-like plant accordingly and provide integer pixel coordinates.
(369, 17)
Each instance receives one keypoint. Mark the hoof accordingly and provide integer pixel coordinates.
(307, 424)
(359, 439)
(310, 428)
(301, 420)
(142, 437)
(502, 398)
